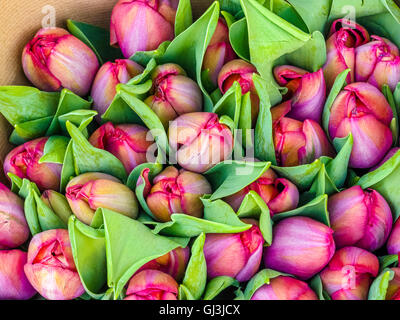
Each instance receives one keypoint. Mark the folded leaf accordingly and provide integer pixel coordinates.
(217, 285)
(380, 285)
(261, 278)
(316, 285)
(184, 17)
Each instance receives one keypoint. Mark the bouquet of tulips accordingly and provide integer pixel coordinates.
(250, 154)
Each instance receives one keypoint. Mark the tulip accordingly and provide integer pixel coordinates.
(142, 25)
(14, 229)
(23, 161)
(378, 63)
(219, 52)
(173, 263)
(360, 218)
(128, 142)
(301, 247)
(107, 79)
(177, 192)
(234, 255)
(349, 274)
(58, 204)
(296, 142)
(345, 37)
(362, 110)
(55, 59)
(279, 194)
(50, 267)
(91, 191)
(174, 93)
(200, 141)
(285, 288)
(393, 291)
(152, 285)
(242, 72)
(393, 245)
(13, 283)
(306, 92)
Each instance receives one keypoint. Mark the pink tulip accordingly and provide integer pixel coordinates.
(345, 37)
(219, 52)
(173, 263)
(360, 218)
(279, 194)
(361, 109)
(242, 72)
(234, 255)
(393, 291)
(176, 191)
(55, 59)
(128, 142)
(142, 25)
(152, 285)
(13, 283)
(91, 191)
(174, 93)
(285, 288)
(350, 273)
(23, 161)
(107, 79)
(378, 63)
(393, 245)
(296, 142)
(14, 229)
(201, 141)
(301, 247)
(306, 92)
(50, 267)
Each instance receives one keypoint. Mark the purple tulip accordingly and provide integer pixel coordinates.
(234, 255)
(23, 161)
(13, 283)
(393, 245)
(301, 247)
(361, 109)
(306, 92)
(55, 59)
(360, 218)
(142, 25)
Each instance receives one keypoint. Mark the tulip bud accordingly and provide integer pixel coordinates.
(361, 109)
(173, 263)
(91, 191)
(107, 79)
(152, 285)
(393, 291)
(50, 267)
(296, 142)
(285, 288)
(306, 91)
(177, 192)
(304, 258)
(360, 218)
(58, 203)
(378, 63)
(142, 25)
(234, 255)
(219, 52)
(349, 274)
(14, 229)
(242, 72)
(345, 37)
(279, 194)
(23, 161)
(55, 59)
(393, 245)
(127, 142)
(201, 141)
(174, 93)
(13, 282)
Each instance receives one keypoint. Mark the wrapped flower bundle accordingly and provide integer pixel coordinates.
(251, 152)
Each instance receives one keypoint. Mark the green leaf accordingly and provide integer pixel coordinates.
(54, 150)
(316, 285)
(184, 17)
(239, 38)
(30, 130)
(78, 118)
(389, 261)
(286, 11)
(217, 285)
(380, 285)
(144, 57)
(394, 126)
(48, 220)
(261, 278)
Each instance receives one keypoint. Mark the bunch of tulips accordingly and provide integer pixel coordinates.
(251, 154)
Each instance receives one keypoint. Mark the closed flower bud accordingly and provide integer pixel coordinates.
(58, 203)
